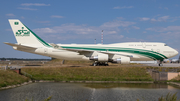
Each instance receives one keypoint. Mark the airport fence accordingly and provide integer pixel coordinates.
(3, 67)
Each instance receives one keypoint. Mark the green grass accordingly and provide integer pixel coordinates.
(9, 77)
(169, 97)
(91, 73)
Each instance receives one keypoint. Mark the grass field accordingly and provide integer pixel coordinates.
(9, 77)
(75, 71)
(90, 73)
(79, 71)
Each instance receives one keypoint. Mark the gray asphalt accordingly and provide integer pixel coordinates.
(165, 65)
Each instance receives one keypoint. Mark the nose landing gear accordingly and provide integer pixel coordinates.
(160, 63)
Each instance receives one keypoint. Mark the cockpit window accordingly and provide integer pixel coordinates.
(165, 45)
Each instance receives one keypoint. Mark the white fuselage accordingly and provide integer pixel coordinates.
(137, 50)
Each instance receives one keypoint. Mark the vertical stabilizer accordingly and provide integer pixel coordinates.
(25, 36)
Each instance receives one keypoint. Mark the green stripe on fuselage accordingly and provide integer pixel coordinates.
(151, 54)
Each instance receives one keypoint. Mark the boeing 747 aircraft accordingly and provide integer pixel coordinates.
(101, 54)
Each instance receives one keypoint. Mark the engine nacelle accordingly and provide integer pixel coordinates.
(122, 60)
(100, 57)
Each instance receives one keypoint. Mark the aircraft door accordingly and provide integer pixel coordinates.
(144, 45)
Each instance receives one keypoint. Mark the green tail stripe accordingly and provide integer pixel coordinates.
(39, 39)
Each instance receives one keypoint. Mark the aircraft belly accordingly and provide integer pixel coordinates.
(63, 54)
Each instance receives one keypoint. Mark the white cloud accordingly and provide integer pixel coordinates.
(170, 33)
(43, 21)
(68, 28)
(110, 28)
(174, 18)
(144, 19)
(153, 19)
(25, 8)
(45, 30)
(123, 7)
(114, 32)
(34, 4)
(10, 15)
(166, 8)
(120, 18)
(22, 17)
(144, 32)
(115, 37)
(56, 16)
(135, 27)
(117, 23)
(156, 19)
(163, 18)
(162, 29)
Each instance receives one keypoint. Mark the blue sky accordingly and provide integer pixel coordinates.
(81, 21)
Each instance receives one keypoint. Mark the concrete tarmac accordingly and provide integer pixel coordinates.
(165, 65)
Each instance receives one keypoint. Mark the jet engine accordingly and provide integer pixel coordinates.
(122, 60)
(100, 57)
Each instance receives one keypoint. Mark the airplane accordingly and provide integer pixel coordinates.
(175, 60)
(100, 54)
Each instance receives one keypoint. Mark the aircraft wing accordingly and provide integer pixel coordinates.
(83, 50)
(78, 50)
(117, 54)
(19, 46)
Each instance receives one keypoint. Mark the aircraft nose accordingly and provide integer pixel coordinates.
(176, 52)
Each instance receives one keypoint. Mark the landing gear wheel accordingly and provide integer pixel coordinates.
(94, 64)
(100, 64)
(160, 63)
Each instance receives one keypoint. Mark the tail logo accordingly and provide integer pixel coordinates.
(23, 32)
(16, 23)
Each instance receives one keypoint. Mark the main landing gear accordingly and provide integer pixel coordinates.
(100, 64)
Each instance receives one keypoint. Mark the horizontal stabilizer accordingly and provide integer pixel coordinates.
(19, 46)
